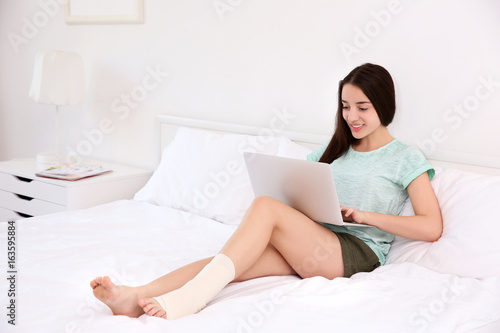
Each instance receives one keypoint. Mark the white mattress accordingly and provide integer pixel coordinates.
(134, 242)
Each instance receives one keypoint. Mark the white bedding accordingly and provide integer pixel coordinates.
(135, 242)
(191, 206)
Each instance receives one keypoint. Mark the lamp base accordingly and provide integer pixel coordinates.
(48, 159)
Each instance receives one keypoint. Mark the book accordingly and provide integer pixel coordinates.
(73, 172)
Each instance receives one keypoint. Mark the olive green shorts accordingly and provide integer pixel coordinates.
(357, 256)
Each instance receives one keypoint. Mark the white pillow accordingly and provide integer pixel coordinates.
(470, 243)
(290, 149)
(204, 173)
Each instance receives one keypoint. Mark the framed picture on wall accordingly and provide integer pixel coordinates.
(104, 11)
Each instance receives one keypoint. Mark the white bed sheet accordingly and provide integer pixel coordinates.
(135, 242)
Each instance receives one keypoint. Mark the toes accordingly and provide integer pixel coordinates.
(152, 311)
(95, 282)
(142, 302)
(161, 314)
(147, 305)
(108, 287)
(147, 308)
(107, 283)
(151, 307)
(156, 311)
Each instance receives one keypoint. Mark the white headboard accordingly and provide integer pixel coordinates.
(166, 128)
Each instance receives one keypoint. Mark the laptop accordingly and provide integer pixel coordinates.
(304, 185)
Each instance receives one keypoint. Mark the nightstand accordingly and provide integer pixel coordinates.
(22, 194)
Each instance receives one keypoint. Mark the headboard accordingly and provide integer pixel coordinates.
(166, 128)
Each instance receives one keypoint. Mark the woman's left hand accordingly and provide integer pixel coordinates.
(349, 214)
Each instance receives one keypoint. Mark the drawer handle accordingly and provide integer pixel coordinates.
(23, 215)
(24, 197)
(24, 179)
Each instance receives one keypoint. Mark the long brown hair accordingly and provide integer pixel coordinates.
(376, 83)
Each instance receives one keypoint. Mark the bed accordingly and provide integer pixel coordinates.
(191, 206)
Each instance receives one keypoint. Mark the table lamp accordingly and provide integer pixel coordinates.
(58, 79)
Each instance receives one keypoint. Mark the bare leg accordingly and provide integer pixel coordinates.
(303, 243)
(124, 300)
(273, 239)
(308, 248)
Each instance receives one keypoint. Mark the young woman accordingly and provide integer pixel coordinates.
(374, 174)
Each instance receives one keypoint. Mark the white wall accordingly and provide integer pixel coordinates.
(243, 62)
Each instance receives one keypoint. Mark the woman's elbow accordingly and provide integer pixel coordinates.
(435, 230)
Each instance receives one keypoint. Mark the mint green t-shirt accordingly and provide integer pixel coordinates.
(375, 181)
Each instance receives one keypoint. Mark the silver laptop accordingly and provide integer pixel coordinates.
(304, 185)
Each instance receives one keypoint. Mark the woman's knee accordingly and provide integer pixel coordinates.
(265, 204)
(265, 201)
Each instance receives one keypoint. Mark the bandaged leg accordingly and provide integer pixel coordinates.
(195, 294)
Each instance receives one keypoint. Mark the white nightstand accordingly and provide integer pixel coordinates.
(22, 194)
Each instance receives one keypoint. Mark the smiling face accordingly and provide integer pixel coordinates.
(359, 113)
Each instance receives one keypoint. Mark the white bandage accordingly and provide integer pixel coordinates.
(195, 294)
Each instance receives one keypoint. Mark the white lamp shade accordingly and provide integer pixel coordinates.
(58, 78)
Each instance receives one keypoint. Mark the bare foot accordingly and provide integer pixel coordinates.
(122, 300)
(151, 307)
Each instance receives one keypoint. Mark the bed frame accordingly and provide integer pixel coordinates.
(166, 127)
